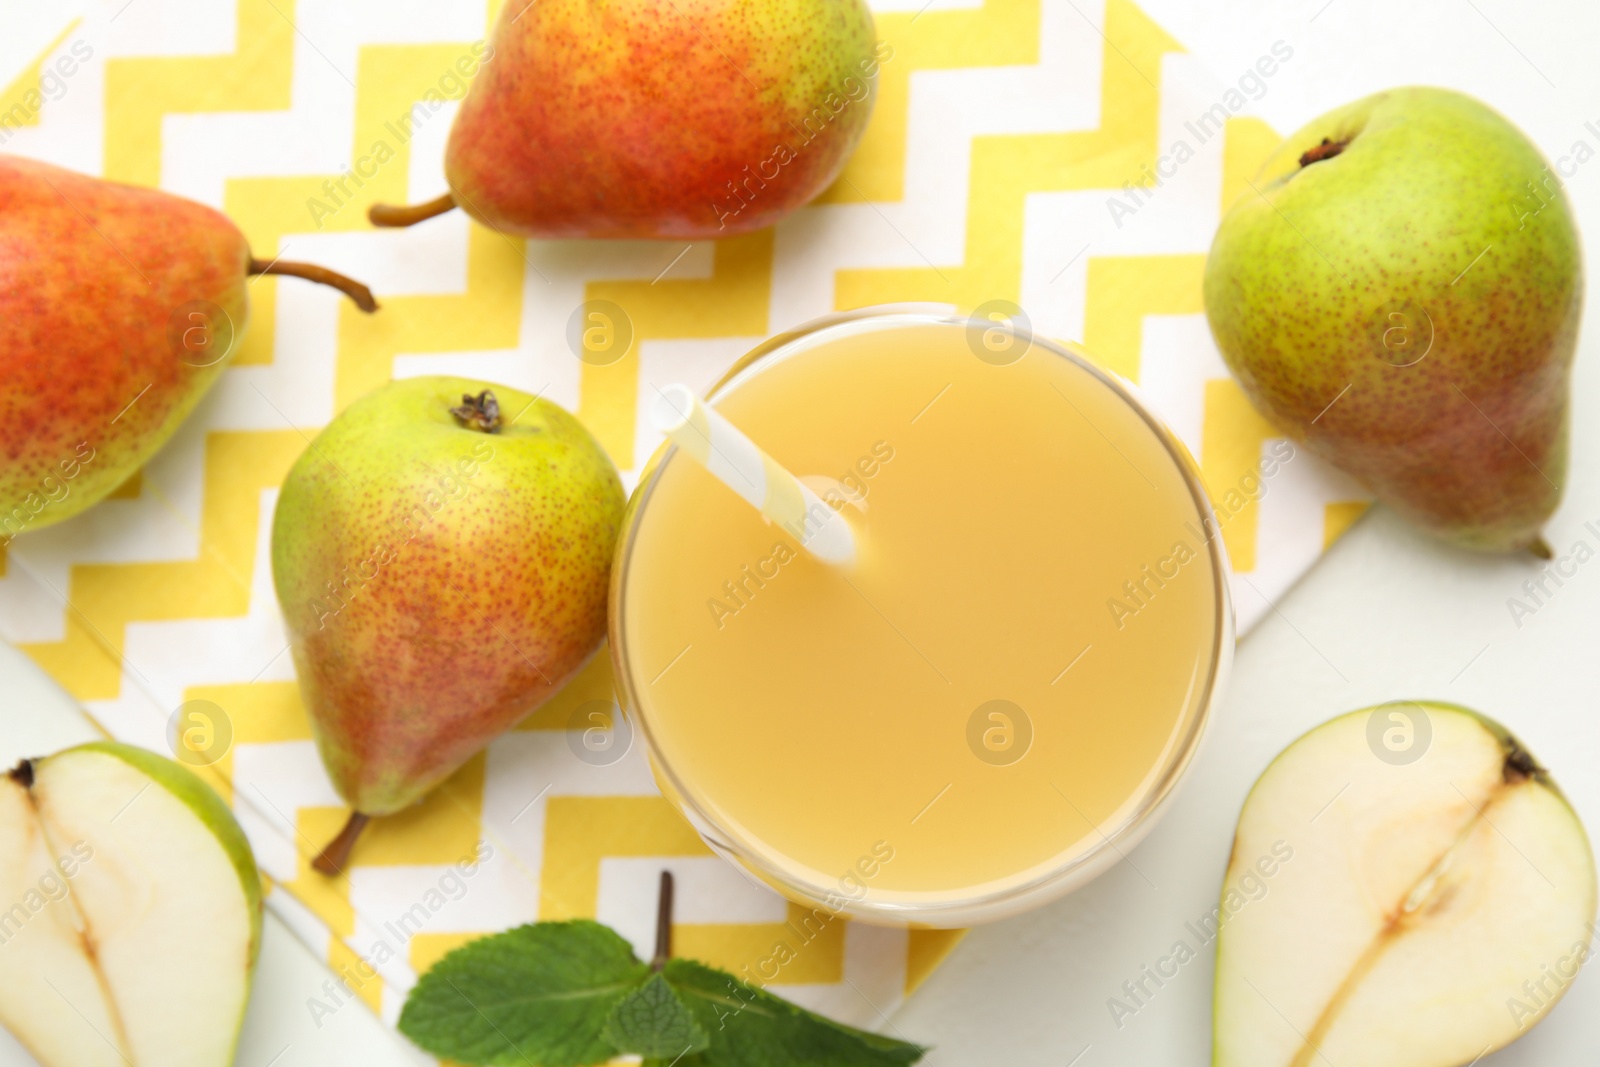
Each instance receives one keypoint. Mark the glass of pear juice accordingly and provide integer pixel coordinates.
(992, 702)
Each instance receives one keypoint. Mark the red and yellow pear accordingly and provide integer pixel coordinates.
(119, 307)
(637, 118)
(441, 555)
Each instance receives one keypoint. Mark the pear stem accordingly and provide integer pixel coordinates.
(1326, 150)
(348, 286)
(392, 215)
(22, 774)
(1541, 548)
(481, 412)
(663, 923)
(332, 859)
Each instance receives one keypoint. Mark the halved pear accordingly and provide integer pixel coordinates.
(1438, 896)
(130, 912)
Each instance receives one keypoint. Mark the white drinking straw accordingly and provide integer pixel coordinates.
(734, 460)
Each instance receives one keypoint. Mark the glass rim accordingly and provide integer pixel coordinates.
(1008, 897)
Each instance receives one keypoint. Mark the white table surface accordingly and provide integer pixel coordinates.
(1386, 615)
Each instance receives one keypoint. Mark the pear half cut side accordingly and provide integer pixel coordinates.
(1438, 899)
(130, 912)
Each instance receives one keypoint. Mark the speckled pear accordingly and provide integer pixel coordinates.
(635, 118)
(1401, 291)
(441, 555)
(119, 308)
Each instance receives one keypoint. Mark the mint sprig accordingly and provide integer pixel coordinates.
(571, 994)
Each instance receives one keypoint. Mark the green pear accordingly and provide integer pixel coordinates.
(442, 554)
(1400, 291)
(638, 119)
(130, 912)
(1408, 888)
(119, 307)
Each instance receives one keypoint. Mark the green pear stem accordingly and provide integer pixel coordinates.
(392, 215)
(22, 774)
(1541, 548)
(332, 859)
(663, 923)
(348, 286)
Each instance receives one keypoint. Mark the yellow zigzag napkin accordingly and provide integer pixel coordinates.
(1067, 157)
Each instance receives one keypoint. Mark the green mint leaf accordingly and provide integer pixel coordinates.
(752, 1028)
(537, 995)
(653, 1022)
